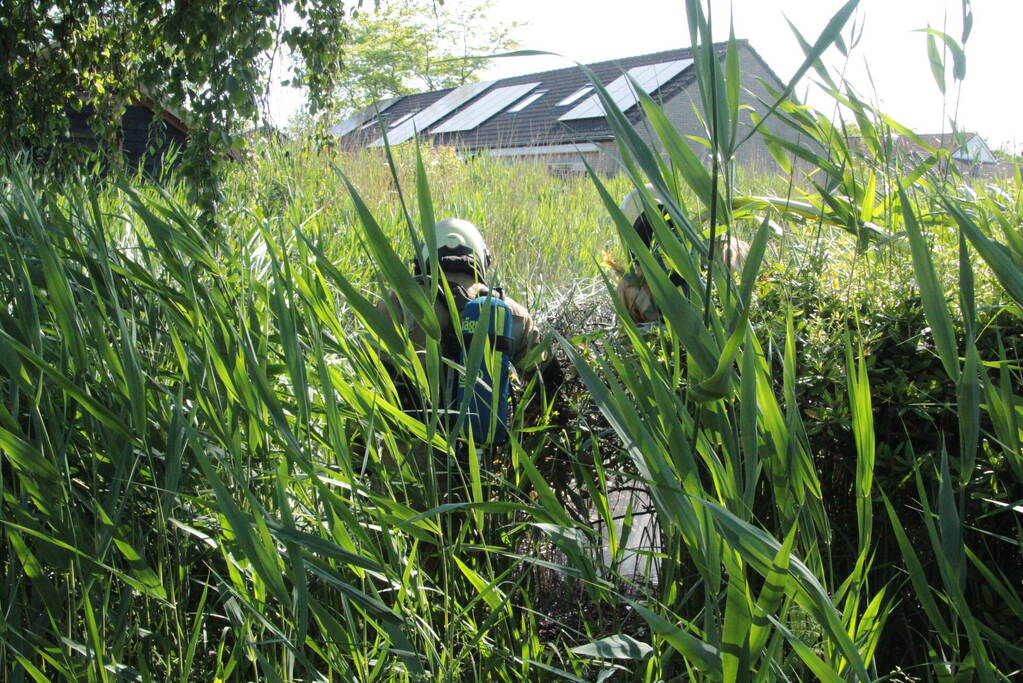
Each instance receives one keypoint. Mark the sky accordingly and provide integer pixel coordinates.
(888, 66)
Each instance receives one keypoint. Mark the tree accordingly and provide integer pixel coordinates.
(204, 56)
(1007, 155)
(409, 45)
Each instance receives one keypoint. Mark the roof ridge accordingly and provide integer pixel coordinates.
(680, 51)
(951, 133)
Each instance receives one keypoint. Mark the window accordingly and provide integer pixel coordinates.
(575, 96)
(528, 101)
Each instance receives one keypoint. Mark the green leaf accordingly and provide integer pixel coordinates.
(969, 412)
(89, 404)
(391, 267)
(869, 197)
(758, 549)
(776, 587)
(719, 385)
(831, 32)
(996, 255)
(861, 408)
(924, 592)
(735, 632)
(817, 666)
(381, 325)
(490, 592)
(685, 160)
(621, 646)
(931, 291)
(733, 83)
(958, 55)
(700, 653)
(321, 546)
(937, 65)
(26, 457)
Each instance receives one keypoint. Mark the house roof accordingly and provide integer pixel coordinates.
(153, 103)
(947, 141)
(967, 147)
(964, 147)
(538, 123)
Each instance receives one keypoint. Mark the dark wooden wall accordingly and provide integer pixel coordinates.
(144, 143)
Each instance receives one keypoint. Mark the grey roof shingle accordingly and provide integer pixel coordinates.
(537, 124)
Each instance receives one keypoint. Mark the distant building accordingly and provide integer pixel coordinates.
(555, 115)
(966, 148)
(146, 137)
(968, 151)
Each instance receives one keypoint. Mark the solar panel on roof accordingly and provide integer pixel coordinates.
(484, 108)
(575, 96)
(649, 77)
(528, 101)
(403, 119)
(653, 76)
(361, 117)
(435, 112)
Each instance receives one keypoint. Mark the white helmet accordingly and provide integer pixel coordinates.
(454, 233)
(632, 205)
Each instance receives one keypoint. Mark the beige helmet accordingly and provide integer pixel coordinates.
(632, 205)
(455, 233)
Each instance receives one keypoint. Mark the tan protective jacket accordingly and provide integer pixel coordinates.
(633, 292)
(637, 301)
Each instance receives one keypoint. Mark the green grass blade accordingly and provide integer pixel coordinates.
(931, 291)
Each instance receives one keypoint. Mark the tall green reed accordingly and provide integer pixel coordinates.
(209, 472)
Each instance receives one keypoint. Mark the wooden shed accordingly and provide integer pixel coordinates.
(147, 137)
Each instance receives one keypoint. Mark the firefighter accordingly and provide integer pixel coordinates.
(633, 291)
(465, 261)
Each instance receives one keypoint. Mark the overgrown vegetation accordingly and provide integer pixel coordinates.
(204, 61)
(207, 473)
